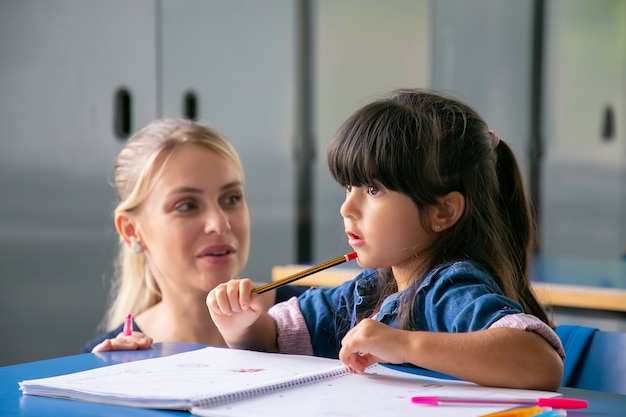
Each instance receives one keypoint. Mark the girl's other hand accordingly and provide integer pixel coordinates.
(369, 342)
(135, 341)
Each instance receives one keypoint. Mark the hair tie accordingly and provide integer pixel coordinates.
(495, 139)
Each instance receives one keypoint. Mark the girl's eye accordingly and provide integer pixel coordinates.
(348, 188)
(373, 190)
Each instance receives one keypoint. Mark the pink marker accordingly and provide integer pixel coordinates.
(128, 325)
(556, 402)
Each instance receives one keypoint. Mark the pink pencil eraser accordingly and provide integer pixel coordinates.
(351, 256)
(425, 400)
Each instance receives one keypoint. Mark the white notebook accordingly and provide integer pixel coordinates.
(228, 382)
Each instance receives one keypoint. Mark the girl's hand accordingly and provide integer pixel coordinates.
(234, 307)
(371, 341)
(135, 341)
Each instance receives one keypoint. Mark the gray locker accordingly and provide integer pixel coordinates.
(362, 49)
(61, 63)
(238, 59)
(584, 182)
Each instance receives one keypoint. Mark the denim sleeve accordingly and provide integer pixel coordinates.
(327, 313)
(463, 298)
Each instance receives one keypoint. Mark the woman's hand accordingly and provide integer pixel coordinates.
(135, 341)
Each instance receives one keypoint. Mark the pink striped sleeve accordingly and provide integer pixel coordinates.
(293, 335)
(532, 324)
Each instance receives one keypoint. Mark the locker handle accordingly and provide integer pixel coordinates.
(608, 124)
(190, 105)
(122, 113)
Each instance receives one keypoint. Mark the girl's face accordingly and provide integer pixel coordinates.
(195, 225)
(385, 229)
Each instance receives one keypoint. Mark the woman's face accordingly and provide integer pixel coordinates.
(195, 224)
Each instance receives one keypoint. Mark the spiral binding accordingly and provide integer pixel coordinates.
(259, 390)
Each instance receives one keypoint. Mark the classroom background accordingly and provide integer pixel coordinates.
(277, 77)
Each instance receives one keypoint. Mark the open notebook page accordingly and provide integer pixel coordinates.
(380, 392)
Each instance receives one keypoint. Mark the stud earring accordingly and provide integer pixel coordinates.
(437, 227)
(136, 247)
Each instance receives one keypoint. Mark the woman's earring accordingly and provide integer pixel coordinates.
(136, 247)
(437, 227)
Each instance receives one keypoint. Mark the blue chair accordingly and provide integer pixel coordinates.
(595, 359)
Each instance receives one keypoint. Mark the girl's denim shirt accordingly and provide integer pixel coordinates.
(458, 297)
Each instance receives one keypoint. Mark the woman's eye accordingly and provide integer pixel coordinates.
(186, 206)
(348, 188)
(234, 199)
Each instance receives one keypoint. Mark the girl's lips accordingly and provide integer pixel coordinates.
(354, 240)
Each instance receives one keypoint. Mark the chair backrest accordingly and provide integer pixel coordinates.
(595, 359)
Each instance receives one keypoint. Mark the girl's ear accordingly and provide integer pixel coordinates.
(447, 211)
(125, 225)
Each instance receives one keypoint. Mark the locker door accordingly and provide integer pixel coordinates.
(361, 49)
(237, 58)
(60, 64)
(487, 64)
(585, 101)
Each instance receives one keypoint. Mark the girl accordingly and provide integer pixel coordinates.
(436, 210)
(184, 226)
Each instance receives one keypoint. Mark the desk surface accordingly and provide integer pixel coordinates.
(13, 403)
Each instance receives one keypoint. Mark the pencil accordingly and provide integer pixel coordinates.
(305, 273)
(516, 412)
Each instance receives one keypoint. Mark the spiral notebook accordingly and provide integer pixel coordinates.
(228, 382)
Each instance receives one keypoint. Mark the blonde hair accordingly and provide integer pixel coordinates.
(134, 287)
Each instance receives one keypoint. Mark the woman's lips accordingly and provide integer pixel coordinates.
(217, 254)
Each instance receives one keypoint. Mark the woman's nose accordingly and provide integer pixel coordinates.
(216, 221)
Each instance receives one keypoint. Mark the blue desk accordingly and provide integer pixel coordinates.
(13, 403)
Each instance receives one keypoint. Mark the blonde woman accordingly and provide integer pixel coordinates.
(184, 226)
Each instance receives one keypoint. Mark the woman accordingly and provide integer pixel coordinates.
(184, 226)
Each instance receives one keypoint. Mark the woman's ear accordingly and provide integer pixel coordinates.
(447, 211)
(125, 225)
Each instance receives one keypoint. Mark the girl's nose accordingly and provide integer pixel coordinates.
(348, 207)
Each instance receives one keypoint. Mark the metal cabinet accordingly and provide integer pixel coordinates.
(236, 59)
(61, 64)
(583, 182)
(487, 64)
(361, 49)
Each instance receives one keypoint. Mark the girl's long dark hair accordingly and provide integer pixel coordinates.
(426, 145)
